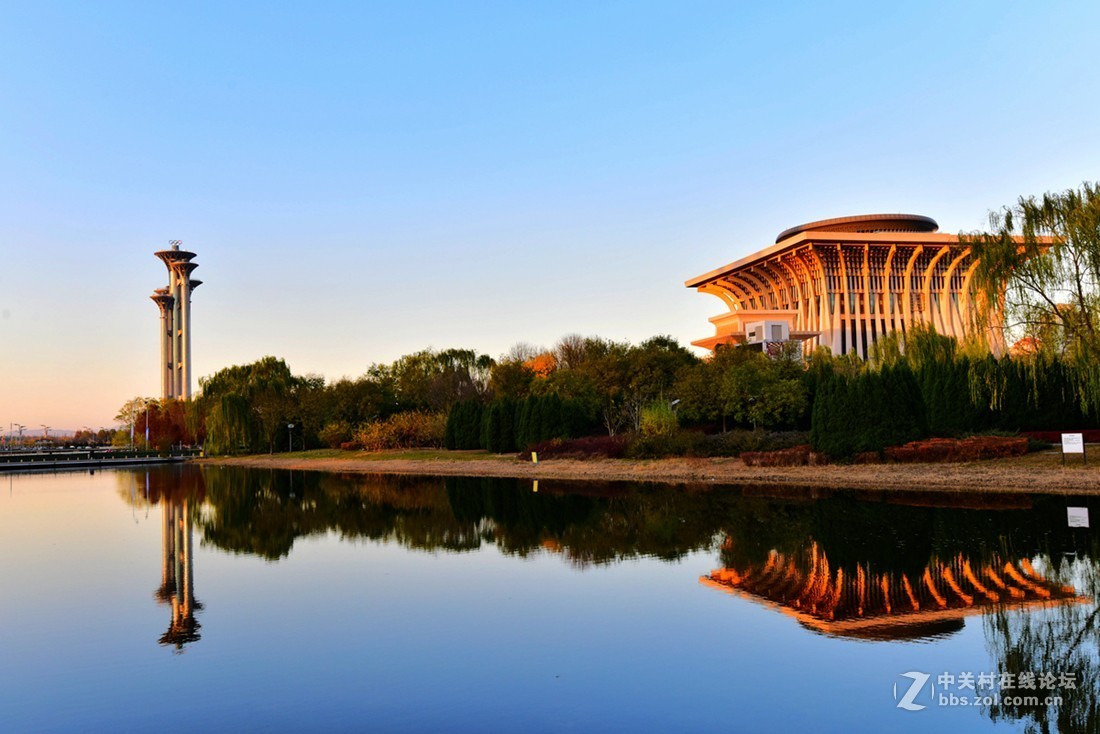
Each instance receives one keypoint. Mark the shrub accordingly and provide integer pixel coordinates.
(794, 456)
(945, 388)
(413, 429)
(736, 442)
(950, 450)
(498, 426)
(464, 425)
(335, 434)
(867, 412)
(1038, 444)
(588, 447)
(677, 443)
(658, 419)
(732, 443)
(543, 417)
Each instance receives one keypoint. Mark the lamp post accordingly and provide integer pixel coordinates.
(289, 437)
(45, 433)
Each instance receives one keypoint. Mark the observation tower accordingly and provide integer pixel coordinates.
(174, 303)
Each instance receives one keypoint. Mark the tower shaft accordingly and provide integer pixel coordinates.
(175, 304)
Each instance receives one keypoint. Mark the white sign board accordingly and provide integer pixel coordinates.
(1078, 517)
(1073, 443)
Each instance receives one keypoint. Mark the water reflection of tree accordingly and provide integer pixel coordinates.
(1063, 638)
(894, 538)
(264, 512)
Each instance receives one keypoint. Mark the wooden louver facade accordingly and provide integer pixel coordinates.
(844, 283)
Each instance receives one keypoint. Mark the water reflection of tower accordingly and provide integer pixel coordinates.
(177, 587)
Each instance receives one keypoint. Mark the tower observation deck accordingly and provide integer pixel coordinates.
(174, 303)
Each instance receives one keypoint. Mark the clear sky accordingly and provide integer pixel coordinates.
(362, 180)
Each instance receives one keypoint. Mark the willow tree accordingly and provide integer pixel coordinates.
(248, 405)
(230, 426)
(1038, 273)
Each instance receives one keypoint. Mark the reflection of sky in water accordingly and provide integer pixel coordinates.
(369, 635)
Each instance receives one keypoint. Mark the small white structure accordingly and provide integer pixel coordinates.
(759, 332)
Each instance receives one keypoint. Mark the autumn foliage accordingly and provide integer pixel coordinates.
(589, 447)
(929, 451)
(412, 429)
(950, 450)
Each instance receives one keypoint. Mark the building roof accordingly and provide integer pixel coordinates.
(866, 223)
(884, 229)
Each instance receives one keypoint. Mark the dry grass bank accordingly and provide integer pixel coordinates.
(1034, 473)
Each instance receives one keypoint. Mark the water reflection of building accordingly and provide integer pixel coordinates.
(177, 586)
(891, 605)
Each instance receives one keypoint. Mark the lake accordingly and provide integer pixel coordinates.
(230, 599)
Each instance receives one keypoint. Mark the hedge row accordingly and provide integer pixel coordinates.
(867, 412)
(976, 448)
(508, 425)
(929, 450)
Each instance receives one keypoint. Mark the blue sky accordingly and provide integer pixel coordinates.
(361, 180)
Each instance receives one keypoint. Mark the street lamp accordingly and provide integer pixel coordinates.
(289, 437)
(45, 433)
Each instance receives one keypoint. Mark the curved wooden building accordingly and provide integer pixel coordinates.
(844, 283)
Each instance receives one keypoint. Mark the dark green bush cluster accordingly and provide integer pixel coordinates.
(966, 395)
(586, 447)
(867, 411)
(735, 442)
(945, 390)
(464, 425)
(1013, 395)
(657, 446)
(507, 425)
(498, 426)
(540, 418)
(692, 443)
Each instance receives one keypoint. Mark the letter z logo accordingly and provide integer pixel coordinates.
(908, 701)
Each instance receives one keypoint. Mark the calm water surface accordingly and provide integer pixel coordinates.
(222, 599)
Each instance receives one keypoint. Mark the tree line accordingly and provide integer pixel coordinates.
(914, 384)
(657, 392)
